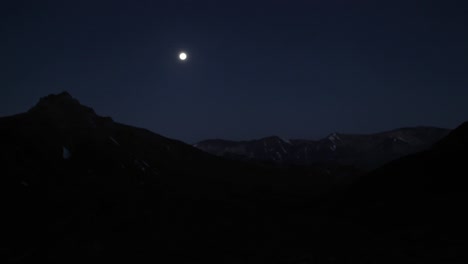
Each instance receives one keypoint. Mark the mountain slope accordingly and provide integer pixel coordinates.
(414, 206)
(439, 168)
(100, 188)
(87, 179)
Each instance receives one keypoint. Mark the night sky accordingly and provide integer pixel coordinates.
(296, 69)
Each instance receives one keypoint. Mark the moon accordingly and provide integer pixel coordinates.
(182, 56)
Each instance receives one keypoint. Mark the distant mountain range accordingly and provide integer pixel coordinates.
(80, 188)
(363, 151)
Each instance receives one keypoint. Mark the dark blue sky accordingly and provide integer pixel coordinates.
(297, 69)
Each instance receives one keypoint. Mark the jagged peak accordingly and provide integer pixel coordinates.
(334, 137)
(62, 102)
(63, 94)
(62, 98)
(64, 107)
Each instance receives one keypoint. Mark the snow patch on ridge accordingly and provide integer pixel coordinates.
(115, 141)
(334, 138)
(66, 154)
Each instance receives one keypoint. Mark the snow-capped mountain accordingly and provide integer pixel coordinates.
(365, 151)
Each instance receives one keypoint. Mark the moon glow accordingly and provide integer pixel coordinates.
(183, 56)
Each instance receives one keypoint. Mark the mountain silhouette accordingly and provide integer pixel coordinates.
(78, 187)
(97, 189)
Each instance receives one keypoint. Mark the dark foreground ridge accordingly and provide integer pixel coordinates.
(81, 188)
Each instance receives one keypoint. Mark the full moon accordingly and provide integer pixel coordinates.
(183, 56)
